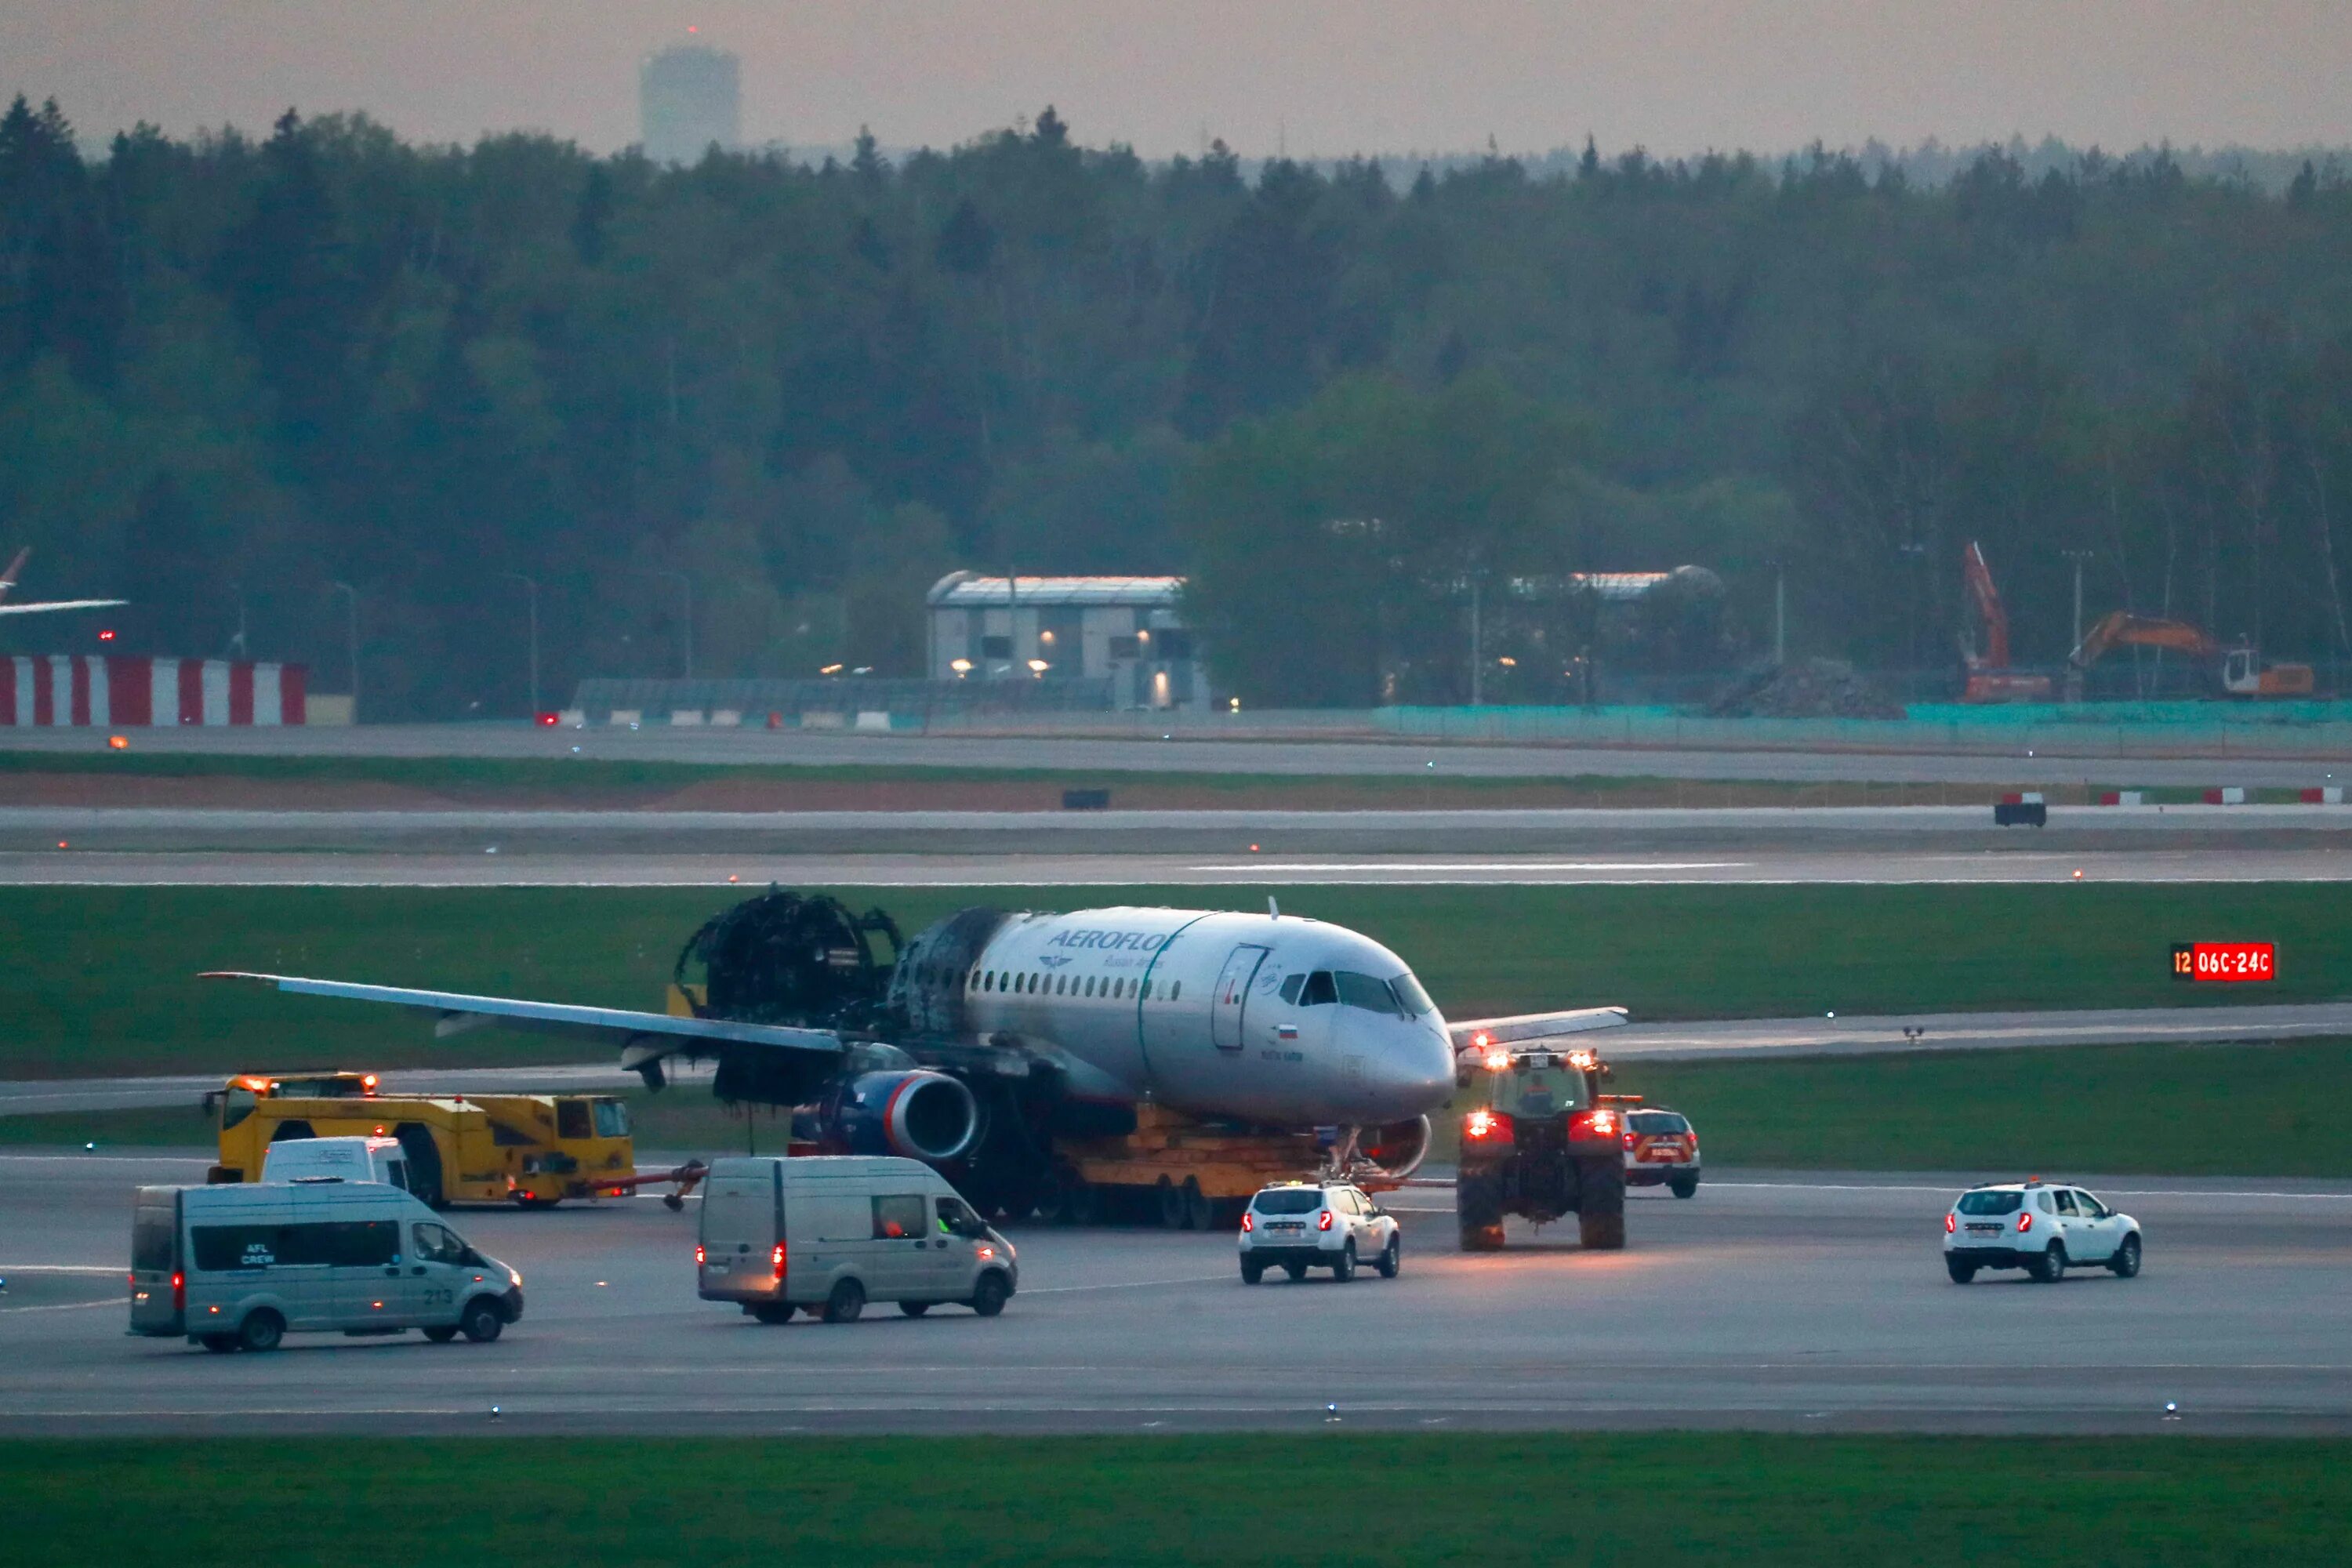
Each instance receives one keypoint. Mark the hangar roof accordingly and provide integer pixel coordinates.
(967, 590)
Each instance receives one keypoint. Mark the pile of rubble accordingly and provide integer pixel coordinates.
(1807, 688)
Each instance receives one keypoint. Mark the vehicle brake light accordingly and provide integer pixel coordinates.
(697, 1252)
(1323, 1221)
(1479, 1123)
(1602, 1121)
(1951, 1226)
(1248, 1225)
(2025, 1221)
(368, 1083)
(179, 1291)
(1499, 1060)
(1629, 1140)
(777, 1257)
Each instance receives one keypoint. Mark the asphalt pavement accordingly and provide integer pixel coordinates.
(1695, 839)
(1784, 1300)
(2269, 756)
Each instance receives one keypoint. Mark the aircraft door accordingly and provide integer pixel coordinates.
(1231, 995)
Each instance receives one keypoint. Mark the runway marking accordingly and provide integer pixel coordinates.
(1483, 866)
(1124, 1285)
(2116, 1192)
(94, 1158)
(8, 1268)
(65, 1305)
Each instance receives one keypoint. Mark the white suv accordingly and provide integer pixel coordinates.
(2039, 1226)
(1301, 1226)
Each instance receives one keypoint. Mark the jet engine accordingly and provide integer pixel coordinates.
(1399, 1148)
(918, 1114)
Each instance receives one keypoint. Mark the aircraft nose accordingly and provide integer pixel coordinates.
(1416, 1073)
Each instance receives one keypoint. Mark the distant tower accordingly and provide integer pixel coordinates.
(687, 98)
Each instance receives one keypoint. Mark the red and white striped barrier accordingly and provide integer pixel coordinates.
(63, 689)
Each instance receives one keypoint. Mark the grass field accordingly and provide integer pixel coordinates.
(1652, 1498)
(2261, 1110)
(102, 980)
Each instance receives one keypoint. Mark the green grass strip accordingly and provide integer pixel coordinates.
(1456, 1498)
(102, 980)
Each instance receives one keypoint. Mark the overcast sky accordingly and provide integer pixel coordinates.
(1318, 76)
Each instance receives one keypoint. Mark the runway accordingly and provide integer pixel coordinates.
(586, 869)
(1780, 1301)
(1457, 845)
(2269, 756)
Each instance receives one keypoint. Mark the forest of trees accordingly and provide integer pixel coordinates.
(234, 371)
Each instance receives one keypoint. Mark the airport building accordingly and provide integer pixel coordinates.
(1124, 634)
(689, 97)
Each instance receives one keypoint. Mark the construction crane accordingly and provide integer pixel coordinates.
(2239, 669)
(1989, 679)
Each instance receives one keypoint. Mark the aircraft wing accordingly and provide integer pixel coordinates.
(643, 1037)
(1478, 1034)
(60, 604)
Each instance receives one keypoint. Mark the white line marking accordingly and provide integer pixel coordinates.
(66, 1306)
(97, 1159)
(8, 1268)
(1125, 1284)
(1484, 866)
(2114, 1192)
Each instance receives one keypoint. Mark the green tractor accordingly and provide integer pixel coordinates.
(1541, 1141)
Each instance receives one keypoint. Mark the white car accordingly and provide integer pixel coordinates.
(2039, 1226)
(1301, 1226)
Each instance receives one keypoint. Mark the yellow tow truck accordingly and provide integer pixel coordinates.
(532, 1149)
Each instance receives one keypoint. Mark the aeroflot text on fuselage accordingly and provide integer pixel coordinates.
(1135, 941)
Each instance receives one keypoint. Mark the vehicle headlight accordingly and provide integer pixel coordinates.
(514, 1278)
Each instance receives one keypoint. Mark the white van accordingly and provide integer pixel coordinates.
(240, 1267)
(337, 1160)
(827, 1234)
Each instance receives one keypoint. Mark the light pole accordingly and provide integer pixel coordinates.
(1918, 552)
(686, 586)
(352, 631)
(532, 595)
(2074, 670)
(2078, 557)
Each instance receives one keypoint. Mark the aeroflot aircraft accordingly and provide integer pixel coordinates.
(992, 1032)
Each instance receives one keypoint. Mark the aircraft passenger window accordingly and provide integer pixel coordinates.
(1147, 991)
(1290, 985)
(1319, 991)
(1175, 990)
(1090, 985)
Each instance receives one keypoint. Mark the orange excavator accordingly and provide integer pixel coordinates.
(2241, 669)
(1989, 679)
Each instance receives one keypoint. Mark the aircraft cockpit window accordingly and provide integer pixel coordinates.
(1410, 995)
(1363, 991)
(1290, 985)
(1319, 991)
